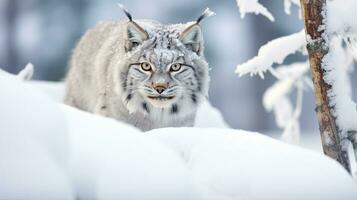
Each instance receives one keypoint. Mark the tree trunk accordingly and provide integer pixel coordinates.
(317, 47)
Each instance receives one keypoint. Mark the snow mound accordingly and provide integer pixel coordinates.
(33, 149)
(235, 164)
(120, 161)
(51, 151)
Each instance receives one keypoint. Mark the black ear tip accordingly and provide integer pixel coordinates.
(126, 11)
(205, 14)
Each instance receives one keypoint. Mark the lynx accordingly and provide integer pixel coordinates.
(141, 72)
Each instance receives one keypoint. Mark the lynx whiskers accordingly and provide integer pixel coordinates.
(141, 72)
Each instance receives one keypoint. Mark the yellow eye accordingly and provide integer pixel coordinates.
(145, 66)
(175, 67)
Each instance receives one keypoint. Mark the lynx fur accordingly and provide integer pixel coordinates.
(141, 72)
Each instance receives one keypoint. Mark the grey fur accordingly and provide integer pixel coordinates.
(106, 77)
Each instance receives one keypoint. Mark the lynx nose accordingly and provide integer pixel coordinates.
(160, 88)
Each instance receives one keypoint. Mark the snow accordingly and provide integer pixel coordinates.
(52, 151)
(120, 160)
(92, 139)
(352, 155)
(341, 27)
(236, 164)
(339, 95)
(341, 16)
(54, 90)
(274, 52)
(209, 117)
(27, 72)
(253, 6)
(148, 167)
(289, 77)
(24, 74)
(33, 154)
(341, 21)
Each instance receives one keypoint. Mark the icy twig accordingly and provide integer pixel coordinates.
(253, 6)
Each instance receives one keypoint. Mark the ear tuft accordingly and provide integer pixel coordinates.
(205, 14)
(126, 11)
(135, 35)
(192, 38)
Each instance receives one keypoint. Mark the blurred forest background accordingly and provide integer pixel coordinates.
(44, 32)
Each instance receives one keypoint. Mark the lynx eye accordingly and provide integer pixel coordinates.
(135, 44)
(146, 66)
(175, 67)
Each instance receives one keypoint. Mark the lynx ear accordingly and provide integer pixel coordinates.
(135, 35)
(192, 38)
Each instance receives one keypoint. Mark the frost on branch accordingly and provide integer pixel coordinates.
(274, 52)
(342, 27)
(276, 99)
(253, 6)
(344, 109)
(342, 21)
(337, 64)
(290, 77)
(341, 16)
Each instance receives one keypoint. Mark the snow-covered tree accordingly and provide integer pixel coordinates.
(329, 42)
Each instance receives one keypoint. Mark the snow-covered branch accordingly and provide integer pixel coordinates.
(341, 16)
(339, 94)
(341, 26)
(341, 21)
(276, 99)
(274, 52)
(253, 6)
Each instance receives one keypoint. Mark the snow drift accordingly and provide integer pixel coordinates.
(51, 151)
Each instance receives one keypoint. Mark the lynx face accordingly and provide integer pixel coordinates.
(166, 71)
